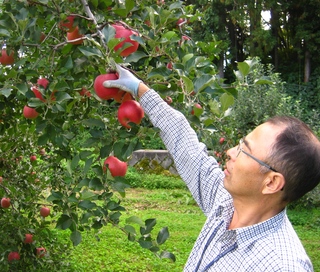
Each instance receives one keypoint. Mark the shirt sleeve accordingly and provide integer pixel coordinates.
(200, 171)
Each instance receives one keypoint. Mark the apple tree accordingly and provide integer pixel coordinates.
(57, 132)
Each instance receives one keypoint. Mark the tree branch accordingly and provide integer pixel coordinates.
(91, 16)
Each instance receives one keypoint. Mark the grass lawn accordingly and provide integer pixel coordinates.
(111, 251)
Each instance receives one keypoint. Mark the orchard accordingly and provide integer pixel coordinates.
(66, 139)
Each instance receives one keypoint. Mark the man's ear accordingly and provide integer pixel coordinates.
(273, 183)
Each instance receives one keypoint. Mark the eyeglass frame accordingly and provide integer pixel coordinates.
(240, 149)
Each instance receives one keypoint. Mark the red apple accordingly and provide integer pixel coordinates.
(37, 93)
(169, 65)
(197, 109)
(168, 99)
(179, 22)
(184, 38)
(42, 152)
(42, 37)
(67, 24)
(30, 113)
(103, 92)
(6, 59)
(124, 34)
(33, 158)
(5, 203)
(75, 34)
(221, 140)
(28, 238)
(44, 211)
(43, 82)
(126, 97)
(41, 252)
(1, 179)
(116, 167)
(130, 112)
(13, 255)
(85, 92)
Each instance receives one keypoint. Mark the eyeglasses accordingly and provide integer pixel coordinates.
(239, 149)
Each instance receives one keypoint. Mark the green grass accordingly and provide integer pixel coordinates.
(177, 210)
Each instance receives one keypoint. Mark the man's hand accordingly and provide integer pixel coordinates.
(126, 81)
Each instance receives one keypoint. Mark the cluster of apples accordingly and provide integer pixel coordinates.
(39, 251)
(31, 113)
(129, 110)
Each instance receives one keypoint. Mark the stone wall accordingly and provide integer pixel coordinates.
(154, 157)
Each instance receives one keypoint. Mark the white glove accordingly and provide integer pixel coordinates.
(126, 81)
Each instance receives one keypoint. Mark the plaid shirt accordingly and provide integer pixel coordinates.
(272, 245)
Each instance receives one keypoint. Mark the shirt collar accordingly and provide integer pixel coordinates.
(247, 234)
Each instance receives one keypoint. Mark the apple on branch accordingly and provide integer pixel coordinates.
(13, 255)
(6, 59)
(30, 113)
(40, 252)
(116, 167)
(103, 92)
(130, 112)
(74, 35)
(197, 109)
(28, 238)
(44, 211)
(5, 203)
(125, 35)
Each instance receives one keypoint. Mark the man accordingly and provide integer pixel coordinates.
(247, 228)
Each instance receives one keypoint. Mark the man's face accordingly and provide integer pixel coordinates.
(243, 177)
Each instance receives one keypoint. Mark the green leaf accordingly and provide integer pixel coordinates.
(168, 255)
(188, 84)
(64, 222)
(159, 72)
(130, 229)
(85, 154)
(22, 88)
(6, 92)
(86, 204)
(90, 51)
(85, 217)
(105, 151)
(203, 82)
(108, 33)
(94, 123)
(55, 196)
(76, 238)
(61, 86)
(4, 33)
(150, 223)
(95, 184)
(263, 81)
(226, 100)
(68, 63)
(136, 56)
(168, 36)
(87, 194)
(135, 220)
(244, 68)
(145, 244)
(87, 165)
(62, 96)
(163, 235)
(75, 161)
